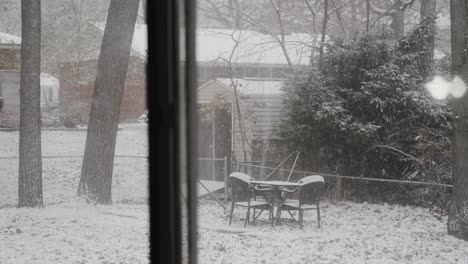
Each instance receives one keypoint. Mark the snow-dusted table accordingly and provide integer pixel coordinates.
(276, 188)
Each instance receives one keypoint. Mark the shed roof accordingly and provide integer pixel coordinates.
(6, 38)
(48, 80)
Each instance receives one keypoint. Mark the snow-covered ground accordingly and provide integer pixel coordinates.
(75, 233)
(61, 175)
(350, 233)
(67, 229)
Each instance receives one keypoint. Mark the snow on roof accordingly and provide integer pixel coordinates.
(216, 45)
(48, 80)
(254, 87)
(139, 40)
(254, 47)
(6, 38)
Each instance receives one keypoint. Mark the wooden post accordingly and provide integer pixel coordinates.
(226, 174)
(213, 147)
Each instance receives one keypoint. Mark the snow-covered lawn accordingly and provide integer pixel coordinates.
(67, 229)
(61, 175)
(350, 233)
(75, 232)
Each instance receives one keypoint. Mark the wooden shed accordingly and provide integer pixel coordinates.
(235, 131)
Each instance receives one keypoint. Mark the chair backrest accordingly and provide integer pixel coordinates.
(312, 178)
(311, 190)
(240, 186)
(241, 176)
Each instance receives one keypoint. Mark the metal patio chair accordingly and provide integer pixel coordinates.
(244, 195)
(309, 198)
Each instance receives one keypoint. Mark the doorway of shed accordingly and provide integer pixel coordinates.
(214, 140)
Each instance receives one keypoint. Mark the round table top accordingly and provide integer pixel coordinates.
(277, 183)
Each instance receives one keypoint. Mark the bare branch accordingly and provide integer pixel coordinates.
(219, 15)
(384, 12)
(407, 4)
(410, 157)
(389, 12)
(280, 22)
(336, 8)
(339, 16)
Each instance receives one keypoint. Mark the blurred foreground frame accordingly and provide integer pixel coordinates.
(171, 93)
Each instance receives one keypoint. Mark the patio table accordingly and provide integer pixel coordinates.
(276, 188)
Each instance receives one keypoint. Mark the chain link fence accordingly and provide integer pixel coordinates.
(361, 189)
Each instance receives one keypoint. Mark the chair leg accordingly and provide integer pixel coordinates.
(292, 216)
(256, 216)
(318, 215)
(271, 215)
(230, 216)
(278, 215)
(247, 217)
(300, 218)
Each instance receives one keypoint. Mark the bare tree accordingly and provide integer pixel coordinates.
(326, 15)
(96, 172)
(71, 33)
(281, 42)
(396, 12)
(457, 223)
(324, 32)
(245, 142)
(354, 19)
(9, 16)
(428, 15)
(367, 15)
(30, 159)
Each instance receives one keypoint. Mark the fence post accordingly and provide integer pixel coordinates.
(226, 173)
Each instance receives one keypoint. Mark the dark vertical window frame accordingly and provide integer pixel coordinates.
(171, 105)
(192, 125)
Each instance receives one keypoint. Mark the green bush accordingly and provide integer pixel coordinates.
(366, 112)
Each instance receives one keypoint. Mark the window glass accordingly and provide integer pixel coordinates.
(73, 132)
(346, 122)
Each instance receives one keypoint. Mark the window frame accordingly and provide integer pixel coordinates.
(172, 127)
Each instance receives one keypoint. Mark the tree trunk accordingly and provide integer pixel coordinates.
(30, 160)
(428, 11)
(367, 15)
(457, 224)
(96, 172)
(354, 21)
(324, 32)
(398, 19)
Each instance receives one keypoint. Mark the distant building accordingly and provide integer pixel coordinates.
(77, 78)
(10, 87)
(10, 47)
(260, 104)
(225, 53)
(256, 65)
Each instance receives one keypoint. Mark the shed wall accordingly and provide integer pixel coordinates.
(259, 113)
